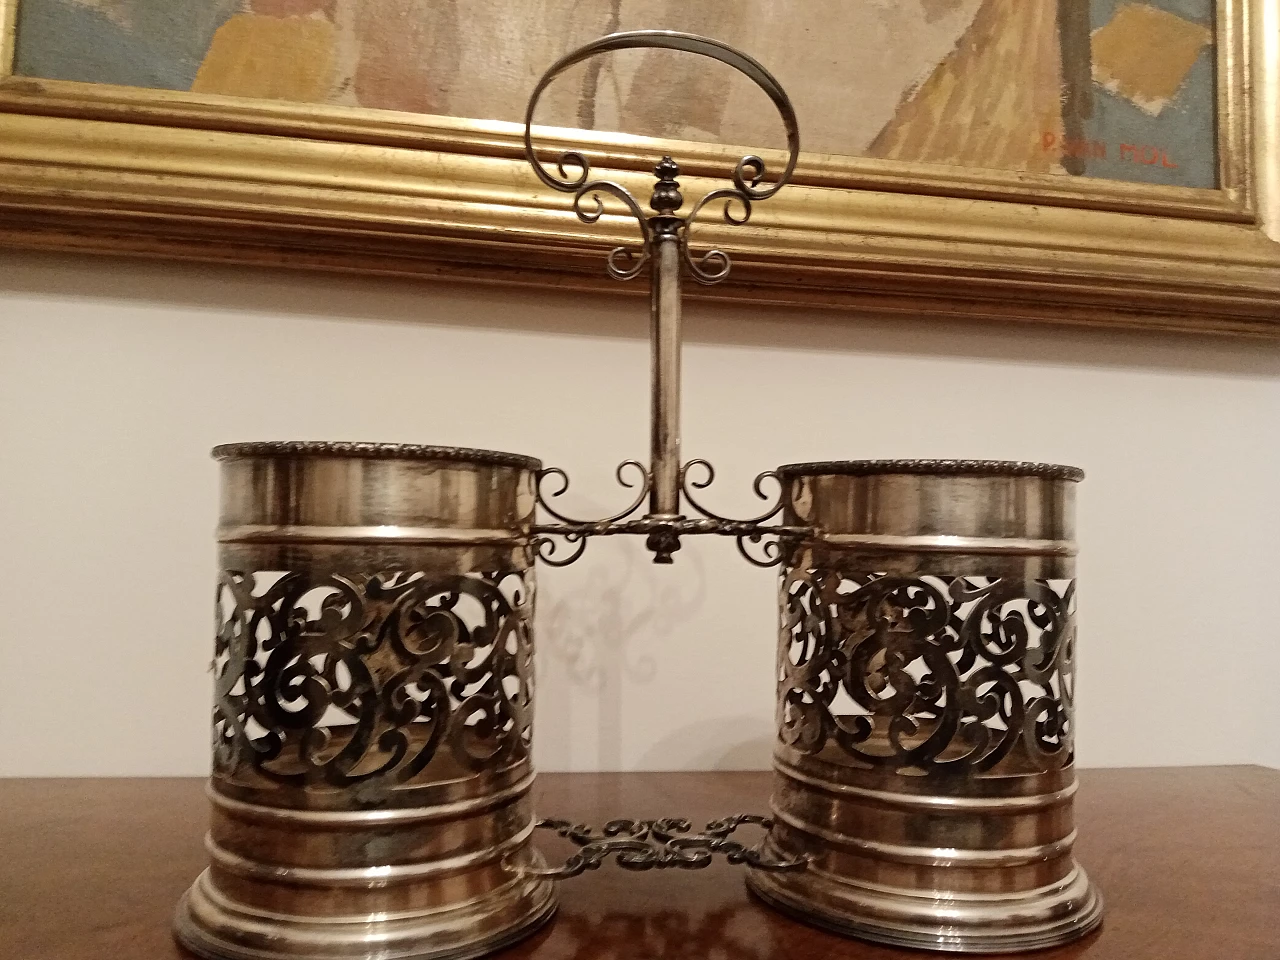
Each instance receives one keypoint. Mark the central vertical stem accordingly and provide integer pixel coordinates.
(664, 451)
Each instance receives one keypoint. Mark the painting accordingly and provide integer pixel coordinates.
(1099, 162)
(1119, 90)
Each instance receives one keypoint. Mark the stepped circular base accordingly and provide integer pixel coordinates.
(209, 925)
(958, 923)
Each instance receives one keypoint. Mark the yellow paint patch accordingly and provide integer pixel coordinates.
(279, 58)
(1144, 54)
(991, 100)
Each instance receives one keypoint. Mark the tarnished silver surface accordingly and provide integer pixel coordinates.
(925, 718)
(373, 707)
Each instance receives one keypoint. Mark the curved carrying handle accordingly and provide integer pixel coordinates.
(749, 172)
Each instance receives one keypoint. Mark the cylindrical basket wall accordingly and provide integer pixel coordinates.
(926, 662)
(373, 707)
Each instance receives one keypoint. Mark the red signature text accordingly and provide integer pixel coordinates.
(1142, 153)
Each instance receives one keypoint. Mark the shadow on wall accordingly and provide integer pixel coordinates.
(398, 300)
(594, 629)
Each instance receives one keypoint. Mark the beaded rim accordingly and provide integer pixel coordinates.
(946, 468)
(372, 451)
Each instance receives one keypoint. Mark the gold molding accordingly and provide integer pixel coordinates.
(1265, 102)
(91, 167)
(8, 31)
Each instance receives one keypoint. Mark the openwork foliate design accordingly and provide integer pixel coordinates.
(928, 673)
(365, 679)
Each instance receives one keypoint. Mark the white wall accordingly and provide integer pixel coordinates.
(117, 377)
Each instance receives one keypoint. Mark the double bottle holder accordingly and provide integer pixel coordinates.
(374, 673)
(374, 664)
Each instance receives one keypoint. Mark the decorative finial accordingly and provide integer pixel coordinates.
(666, 198)
(663, 541)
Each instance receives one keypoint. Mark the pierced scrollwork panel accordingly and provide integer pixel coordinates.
(364, 680)
(928, 674)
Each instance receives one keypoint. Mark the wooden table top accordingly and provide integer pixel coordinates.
(1188, 859)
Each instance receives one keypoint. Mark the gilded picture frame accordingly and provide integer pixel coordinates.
(93, 167)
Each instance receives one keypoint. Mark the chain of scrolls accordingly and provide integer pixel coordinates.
(666, 844)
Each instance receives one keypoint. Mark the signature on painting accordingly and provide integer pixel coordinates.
(1143, 153)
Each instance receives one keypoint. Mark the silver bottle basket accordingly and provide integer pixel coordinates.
(924, 760)
(373, 706)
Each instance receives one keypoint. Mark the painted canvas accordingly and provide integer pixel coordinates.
(1117, 89)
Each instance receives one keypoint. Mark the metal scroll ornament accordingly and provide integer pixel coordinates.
(947, 675)
(368, 677)
(667, 844)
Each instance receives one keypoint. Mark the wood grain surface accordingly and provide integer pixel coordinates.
(1188, 859)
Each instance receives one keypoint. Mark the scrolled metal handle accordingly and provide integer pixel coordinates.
(750, 171)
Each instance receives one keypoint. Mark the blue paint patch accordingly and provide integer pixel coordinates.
(62, 40)
(1180, 146)
(1197, 11)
